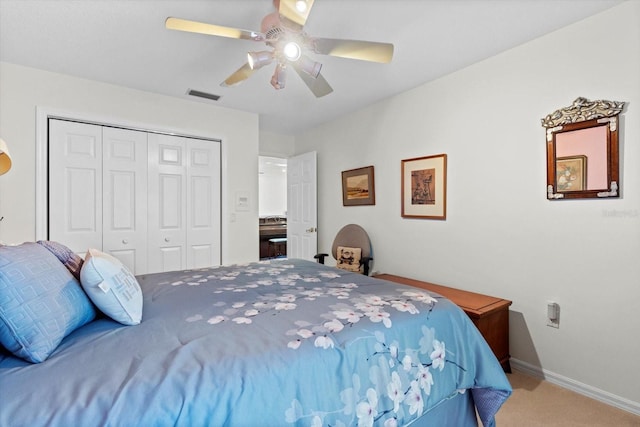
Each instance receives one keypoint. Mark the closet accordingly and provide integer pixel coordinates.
(150, 199)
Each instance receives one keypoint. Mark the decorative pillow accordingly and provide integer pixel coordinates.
(348, 258)
(40, 302)
(112, 287)
(66, 256)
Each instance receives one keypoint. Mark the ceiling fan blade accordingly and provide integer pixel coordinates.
(213, 30)
(289, 10)
(355, 49)
(240, 75)
(318, 85)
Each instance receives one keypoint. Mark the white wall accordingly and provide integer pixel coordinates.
(502, 236)
(272, 186)
(23, 89)
(276, 144)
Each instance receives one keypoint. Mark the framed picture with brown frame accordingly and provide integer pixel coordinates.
(424, 187)
(358, 187)
(571, 173)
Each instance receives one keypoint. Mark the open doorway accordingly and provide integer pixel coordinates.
(272, 206)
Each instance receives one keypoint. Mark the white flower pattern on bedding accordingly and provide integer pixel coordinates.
(405, 381)
(369, 306)
(403, 377)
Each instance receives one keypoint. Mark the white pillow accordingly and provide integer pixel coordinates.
(112, 287)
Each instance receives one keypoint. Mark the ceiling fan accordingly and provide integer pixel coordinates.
(289, 46)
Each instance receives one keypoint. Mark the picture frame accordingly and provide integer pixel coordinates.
(571, 173)
(424, 187)
(358, 187)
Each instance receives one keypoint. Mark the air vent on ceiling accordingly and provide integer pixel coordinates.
(201, 94)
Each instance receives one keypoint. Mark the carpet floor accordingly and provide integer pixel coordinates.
(536, 402)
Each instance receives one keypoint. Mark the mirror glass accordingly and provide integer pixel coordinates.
(582, 150)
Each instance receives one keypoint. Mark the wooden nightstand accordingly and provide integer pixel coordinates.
(489, 314)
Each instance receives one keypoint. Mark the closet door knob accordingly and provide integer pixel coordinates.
(125, 241)
(166, 239)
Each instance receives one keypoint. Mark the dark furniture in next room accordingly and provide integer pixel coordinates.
(272, 227)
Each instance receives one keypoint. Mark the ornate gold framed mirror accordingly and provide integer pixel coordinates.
(582, 150)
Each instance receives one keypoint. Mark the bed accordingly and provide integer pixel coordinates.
(273, 343)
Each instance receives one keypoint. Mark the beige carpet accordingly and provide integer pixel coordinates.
(535, 402)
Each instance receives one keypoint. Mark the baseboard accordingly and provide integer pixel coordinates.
(578, 387)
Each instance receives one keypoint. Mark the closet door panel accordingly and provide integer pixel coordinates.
(125, 197)
(171, 258)
(166, 203)
(170, 201)
(203, 201)
(80, 202)
(75, 184)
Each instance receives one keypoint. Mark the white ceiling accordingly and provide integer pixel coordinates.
(124, 42)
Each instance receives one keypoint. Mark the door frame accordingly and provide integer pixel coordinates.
(43, 114)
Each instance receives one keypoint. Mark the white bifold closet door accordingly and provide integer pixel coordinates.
(184, 203)
(151, 200)
(124, 206)
(75, 185)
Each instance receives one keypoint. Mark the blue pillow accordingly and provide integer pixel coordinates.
(40, 302)
(112, 287)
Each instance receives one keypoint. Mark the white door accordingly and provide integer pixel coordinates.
(124, 227)
(151, 200)
(203, 204)
(75, 185)
(302, 211)
(166, 226)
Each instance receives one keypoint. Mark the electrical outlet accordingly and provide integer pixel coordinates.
(553, 314)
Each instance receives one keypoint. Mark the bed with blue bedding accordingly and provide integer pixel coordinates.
(274, 343)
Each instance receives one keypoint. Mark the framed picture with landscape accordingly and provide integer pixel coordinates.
(358, 187)
(424, 187)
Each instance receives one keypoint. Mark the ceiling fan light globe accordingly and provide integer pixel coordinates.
(292, 51)
(301, 6)
(310, 67)
(279, 77)
(258, 60)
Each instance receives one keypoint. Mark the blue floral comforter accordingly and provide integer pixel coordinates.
(278, 343)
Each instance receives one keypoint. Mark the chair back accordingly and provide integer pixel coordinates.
(354, 236)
